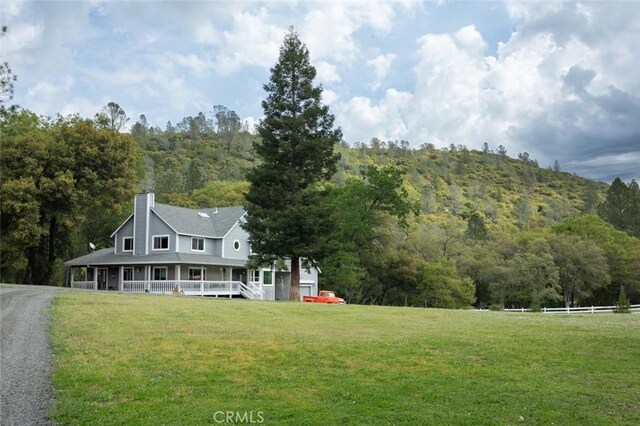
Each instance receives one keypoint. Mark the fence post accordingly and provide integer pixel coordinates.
(592, 309)
(544, 310)
(568, 310)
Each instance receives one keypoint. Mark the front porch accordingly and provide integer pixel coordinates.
(190, 280)
(188, 288)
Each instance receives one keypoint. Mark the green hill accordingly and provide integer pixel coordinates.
(520, 209)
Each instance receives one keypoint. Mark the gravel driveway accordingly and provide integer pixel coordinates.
(25, 355)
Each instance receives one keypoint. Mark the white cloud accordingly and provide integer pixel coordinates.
(193, 62)
(381, 65)
(329, 29)
(329, 96)
(21, 36)
(552, 94)
(205, 33)
(383, 120)
(82, 106)
(328, 33)
(10, 9)
(253, 41)
(47, 90)
(327, 73)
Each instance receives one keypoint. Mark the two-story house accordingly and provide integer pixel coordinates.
(203, 251)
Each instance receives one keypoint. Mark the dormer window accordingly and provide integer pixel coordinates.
(197, 244)
(127, 244)
(161, 242)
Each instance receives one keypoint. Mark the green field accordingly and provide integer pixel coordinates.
(123, 359)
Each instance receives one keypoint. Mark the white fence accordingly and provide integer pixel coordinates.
(577, 310)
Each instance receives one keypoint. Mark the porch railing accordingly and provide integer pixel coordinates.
(84, 285)
(251, 291)
(190, 288)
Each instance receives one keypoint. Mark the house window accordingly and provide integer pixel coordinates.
(255, 276)
(127, 274)
(161, 242)
(159, 273)
(197, 274)
(197, 244)
(267, 277)
(127, 244)
(236, 245)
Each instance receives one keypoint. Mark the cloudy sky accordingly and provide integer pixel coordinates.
(560, 81)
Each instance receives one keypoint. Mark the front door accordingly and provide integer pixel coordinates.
(102, 278)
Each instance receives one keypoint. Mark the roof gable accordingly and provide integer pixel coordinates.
(123, 224)
(188, 222)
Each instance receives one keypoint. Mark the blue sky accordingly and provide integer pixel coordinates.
(558, 80)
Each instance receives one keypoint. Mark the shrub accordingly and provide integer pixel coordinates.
(623, 306)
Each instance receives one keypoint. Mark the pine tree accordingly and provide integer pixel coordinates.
(476, 230)
(614, 207)
(633, 210)
(285, 217)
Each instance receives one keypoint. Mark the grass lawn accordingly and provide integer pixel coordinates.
(125, 359)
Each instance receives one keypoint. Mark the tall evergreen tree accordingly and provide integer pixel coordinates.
(285, 217)
(633, 209)
(614, 207)
(476, 230)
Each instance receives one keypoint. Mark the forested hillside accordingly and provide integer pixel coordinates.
(464, 227)
(448, 227)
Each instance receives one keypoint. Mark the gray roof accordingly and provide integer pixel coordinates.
(189, 222)
(108, 257)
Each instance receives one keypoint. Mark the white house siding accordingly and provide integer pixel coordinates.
(236, 234)
(125, 231)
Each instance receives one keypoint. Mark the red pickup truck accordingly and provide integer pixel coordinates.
(324, 296)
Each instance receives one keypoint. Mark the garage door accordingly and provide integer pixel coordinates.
(305, 290)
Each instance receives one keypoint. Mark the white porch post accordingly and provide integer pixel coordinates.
(120, 284)
(72, 275)
(178, 273)
(95, 278)
(147, 277)
(230, 282)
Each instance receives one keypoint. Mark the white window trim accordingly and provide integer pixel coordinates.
(153, 243)
(204, 242)
(270, 272)
(234, 245)
(129, 268)
(124, 245)
(153, 273)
